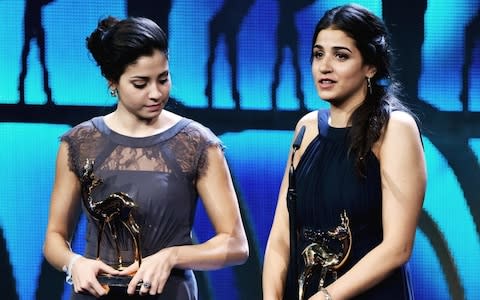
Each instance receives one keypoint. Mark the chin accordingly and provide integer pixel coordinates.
(150, 117)
(325, 95)
(328, 99)
(332, 99)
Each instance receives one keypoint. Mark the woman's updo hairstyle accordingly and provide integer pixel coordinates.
(115, 44)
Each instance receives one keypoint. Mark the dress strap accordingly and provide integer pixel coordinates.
(323, 121)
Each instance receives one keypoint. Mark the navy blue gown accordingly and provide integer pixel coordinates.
(327, 184)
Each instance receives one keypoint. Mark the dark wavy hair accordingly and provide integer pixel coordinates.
(115, 44)
(372, 39)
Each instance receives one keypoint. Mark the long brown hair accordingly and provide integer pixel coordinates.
(372, 40)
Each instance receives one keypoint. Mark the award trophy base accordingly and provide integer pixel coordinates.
(117, 284)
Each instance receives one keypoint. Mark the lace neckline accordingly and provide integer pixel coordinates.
(138, 142)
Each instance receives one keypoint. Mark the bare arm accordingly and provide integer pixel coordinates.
(276, 258)
(229, 246)
(277, 252)
(403, 175)
(64, 211)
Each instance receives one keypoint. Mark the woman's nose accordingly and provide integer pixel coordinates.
(324, 65)
(155, 92)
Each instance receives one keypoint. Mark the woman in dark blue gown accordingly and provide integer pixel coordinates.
(359, 175)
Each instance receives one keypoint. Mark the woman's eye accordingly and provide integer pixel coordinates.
(163, 81)
(317, 54)
(139, 85)
(342, 56)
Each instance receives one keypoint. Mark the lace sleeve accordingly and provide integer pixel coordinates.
(204, 139)
(83, 142)
(213, 141)
(72, 151)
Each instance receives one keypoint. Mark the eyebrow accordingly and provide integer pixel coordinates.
(164, 73)
(334, 48)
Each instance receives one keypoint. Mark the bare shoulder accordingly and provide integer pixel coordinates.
(310, 121)
(401, 133)
(401, 125)
(402, 119)
(308, 118)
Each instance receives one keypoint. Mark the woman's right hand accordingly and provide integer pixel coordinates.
(84, 275)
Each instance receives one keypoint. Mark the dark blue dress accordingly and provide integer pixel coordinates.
(327, 184)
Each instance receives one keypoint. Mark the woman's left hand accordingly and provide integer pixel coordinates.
(152, 273)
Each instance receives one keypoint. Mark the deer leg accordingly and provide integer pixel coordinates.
(323, 274)
(113, 230)
(99, 238)
(134, 231)
(302, 281)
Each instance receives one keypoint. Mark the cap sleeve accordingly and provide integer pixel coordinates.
(204, 139)
(83, 142)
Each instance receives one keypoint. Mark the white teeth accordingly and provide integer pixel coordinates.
(326, 81)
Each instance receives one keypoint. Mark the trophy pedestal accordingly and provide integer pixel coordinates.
(117, 284)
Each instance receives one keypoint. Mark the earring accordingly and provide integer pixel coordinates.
(114, 92)
(369, 86)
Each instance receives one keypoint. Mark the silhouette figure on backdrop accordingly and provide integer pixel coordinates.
(33, 29)
(472, 33)
(7, 284)
(227, 21)
(406, 31)
(287, 37)
(155, 10)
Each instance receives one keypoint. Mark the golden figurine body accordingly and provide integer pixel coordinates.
(110, 212)
(319, 254)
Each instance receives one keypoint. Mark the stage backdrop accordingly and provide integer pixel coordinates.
(230, 60)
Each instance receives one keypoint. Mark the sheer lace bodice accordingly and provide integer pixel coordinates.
(158, 172)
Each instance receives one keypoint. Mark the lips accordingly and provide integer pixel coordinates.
(154, 107)
(326, 83)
